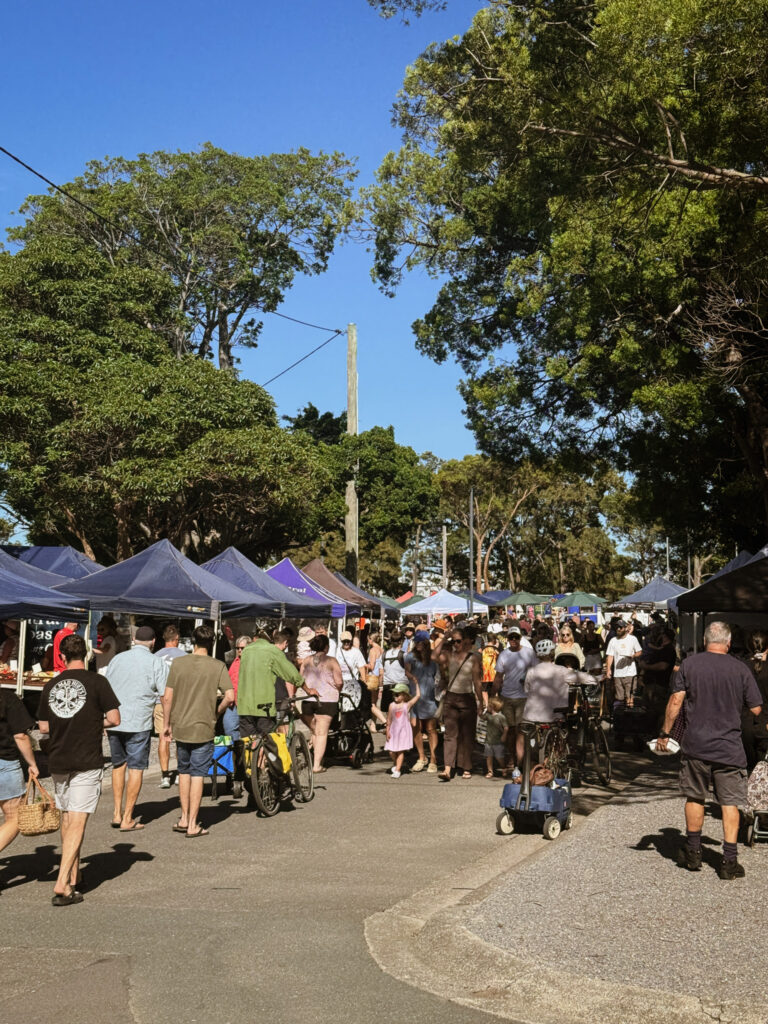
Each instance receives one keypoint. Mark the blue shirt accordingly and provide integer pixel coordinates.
(138, 680)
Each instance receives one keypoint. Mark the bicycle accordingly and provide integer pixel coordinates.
(587, 743)
(552, 739)
(268, 783)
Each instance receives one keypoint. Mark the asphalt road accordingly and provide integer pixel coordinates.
(262, 918)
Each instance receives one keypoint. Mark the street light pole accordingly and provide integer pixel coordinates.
(351, 526)
(471, 599)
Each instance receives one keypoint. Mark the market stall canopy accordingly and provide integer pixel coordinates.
(498, 596)
(22, 599)
(31, 573)
(64, 560)
(658, 591)
(234, 567)
(444, 603)
(478, 598)
(742, 590)
(525, 597)
(322, 576)
(291, 576)
(390, 608)
(579, 599)
(408, 601)
(161, 581)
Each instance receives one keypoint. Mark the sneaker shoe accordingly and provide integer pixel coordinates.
(420, 765)
(165, 782)
(688, 858)
(431, 769)
(395, 773)
(730, 869)
(517, 776)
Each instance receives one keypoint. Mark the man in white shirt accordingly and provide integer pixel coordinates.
(511, 667)
(354, 668)
(621, 655)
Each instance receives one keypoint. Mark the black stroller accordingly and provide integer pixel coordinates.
(349, 738)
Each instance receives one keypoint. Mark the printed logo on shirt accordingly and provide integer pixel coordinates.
(66, 698)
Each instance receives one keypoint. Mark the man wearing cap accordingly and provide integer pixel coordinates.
(621, 655)
(511, 667)
(354, 668)
(137, 678)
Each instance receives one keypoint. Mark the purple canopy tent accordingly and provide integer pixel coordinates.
(291, 576)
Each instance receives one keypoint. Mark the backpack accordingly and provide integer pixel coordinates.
(757, 787)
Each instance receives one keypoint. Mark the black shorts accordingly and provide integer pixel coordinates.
(729, 783)
(256, 725)
(321, 707)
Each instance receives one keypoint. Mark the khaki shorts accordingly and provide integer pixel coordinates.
(729, 783)
(157, 719)
(78, 791)
(512, 709)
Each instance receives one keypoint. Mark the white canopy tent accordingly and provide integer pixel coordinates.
(444, 603)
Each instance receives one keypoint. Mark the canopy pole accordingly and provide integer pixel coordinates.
(20, 656)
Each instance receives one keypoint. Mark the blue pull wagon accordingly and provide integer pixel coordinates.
(546, 807)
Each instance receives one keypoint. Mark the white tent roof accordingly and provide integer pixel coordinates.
(444, 603)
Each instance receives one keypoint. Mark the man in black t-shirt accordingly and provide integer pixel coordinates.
(716, 689)
(75, 707)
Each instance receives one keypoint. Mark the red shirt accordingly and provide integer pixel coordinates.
(58, 662)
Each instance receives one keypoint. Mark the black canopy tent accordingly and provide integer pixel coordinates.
(742, 590)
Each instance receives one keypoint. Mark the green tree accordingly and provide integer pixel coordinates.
(229, 233)
(324, 427)
(589, 181)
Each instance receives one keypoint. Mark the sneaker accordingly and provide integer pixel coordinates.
(420, 765)
(176, 779)
(517, 776)
(731, 869)
(688, 858)
(431, 769)
(395, 773)
(165, 782)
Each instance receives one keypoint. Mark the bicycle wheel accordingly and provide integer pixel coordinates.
(265, 788)
(601, 755)
(554, 753)
(301, 768)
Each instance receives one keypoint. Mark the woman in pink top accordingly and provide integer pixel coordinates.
(322, 680)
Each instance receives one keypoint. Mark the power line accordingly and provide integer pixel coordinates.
(316, 349)
(145, 245)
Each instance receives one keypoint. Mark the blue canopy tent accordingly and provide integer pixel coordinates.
(657, 592)
(233, 567)
(291, 576)
(161, 581)
(23, 599)
(31, 573)
(497, 596)
(63, 560)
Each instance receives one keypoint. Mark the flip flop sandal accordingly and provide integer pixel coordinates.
(135, 827)
(114, 824)
(179, 828)
(66, 899)
(196, 835)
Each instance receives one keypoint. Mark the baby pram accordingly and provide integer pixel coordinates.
(349, 737)
(757, 803)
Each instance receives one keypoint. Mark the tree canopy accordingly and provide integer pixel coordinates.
(589, 183)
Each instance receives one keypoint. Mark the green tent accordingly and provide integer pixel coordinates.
(524, 597)
(579, 599)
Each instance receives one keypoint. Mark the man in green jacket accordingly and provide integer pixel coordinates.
(261, 665)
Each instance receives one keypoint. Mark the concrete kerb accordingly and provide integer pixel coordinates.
(423, 941)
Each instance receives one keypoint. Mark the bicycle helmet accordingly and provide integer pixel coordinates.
(544, 647)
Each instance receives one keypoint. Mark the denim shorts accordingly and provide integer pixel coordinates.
(11, 780)
(130, 748)
(194, 758)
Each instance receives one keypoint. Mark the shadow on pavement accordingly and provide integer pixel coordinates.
(43, 865)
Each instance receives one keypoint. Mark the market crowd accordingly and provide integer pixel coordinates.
(452, 699)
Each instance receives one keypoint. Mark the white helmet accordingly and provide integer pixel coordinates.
(544, 647)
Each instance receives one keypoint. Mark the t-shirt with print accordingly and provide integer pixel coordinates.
(14, 718)
(717, 688)
(74, 704)
(622, 651)
(196, 681)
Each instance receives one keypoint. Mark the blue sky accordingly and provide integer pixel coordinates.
(88, 79)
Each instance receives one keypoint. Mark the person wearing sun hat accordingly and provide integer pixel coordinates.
(302, 647)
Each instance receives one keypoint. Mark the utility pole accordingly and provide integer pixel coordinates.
(471, 598)
(667, 557)
(445, 557)
(351, 530)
